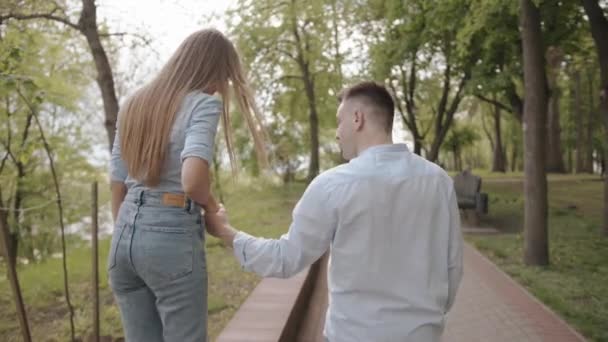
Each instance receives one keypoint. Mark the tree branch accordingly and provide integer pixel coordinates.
(3, 162)
(494, 102)
(288, 54)
(7, 145)
(9, 153)
(486, 131)
(49, 16)
(399, 106)
(288, 77)
(145, 40)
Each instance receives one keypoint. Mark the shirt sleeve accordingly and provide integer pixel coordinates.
(455, 253)
(118, 170)
(310, 234)
(200, 132)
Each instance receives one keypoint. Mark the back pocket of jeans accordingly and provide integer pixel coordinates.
(168, 254)
(116, 237)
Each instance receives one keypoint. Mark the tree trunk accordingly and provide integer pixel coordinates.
(408, 85)
(417, 147)
(578, 117)
(105, 78)
(603, 159)
(570, 160)
(499, 160)
(14, 280)
(15, 236)
(514, 160)
(589, 125)
(445, 112)
(555, 161)
(605, 173)
(313, 168)
(309, 87)
(14, 247)
(516, 102)
(459, 151)
(536, 244)
(599, 31)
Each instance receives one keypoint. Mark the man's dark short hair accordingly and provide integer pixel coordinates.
(374, 94)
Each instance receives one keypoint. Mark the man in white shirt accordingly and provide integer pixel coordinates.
(390, 220)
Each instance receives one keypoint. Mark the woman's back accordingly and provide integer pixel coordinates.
(192, 135)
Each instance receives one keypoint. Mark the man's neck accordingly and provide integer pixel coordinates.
(386, 140)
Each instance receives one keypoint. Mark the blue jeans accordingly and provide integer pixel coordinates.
(157, 270)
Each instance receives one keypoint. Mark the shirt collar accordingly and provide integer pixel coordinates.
(384, 148)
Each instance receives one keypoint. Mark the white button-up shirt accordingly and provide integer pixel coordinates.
(390, 219)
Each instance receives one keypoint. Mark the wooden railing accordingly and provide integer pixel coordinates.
(283, 310)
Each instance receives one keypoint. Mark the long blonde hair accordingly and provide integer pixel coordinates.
(205, 60)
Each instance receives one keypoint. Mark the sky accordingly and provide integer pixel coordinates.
(167, 22)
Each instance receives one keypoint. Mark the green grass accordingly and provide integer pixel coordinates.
(257, 207)
(42, 287)
(574, 283)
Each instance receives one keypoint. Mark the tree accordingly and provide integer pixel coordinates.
(458, 139)
(581, 164)
(562, 35)
(87, 25)
(424, 61)
(555, 161)
(36, 69)
(499, 157)
(497, 76)
(536, 244)
(291, 51)
(599, 31)
(499, 71)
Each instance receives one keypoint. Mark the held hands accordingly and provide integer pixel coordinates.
(216, 221)
(217, 225)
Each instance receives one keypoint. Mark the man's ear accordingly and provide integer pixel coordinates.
(359, 120)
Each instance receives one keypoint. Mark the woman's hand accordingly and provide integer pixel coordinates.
(217, 225)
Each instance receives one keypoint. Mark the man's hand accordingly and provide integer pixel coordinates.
(217, 225)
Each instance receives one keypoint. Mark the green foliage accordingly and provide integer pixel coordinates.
(40, 77)
(422, 51)
(288, 47)
(460, 137)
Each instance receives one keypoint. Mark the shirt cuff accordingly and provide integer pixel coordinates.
(203, 152)
(239, 244)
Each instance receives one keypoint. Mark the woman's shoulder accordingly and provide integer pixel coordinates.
(198, 97)
(197, 103)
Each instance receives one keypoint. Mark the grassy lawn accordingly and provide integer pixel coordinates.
(259, 208)
(574, 285)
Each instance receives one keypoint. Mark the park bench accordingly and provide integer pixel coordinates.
(469, 195)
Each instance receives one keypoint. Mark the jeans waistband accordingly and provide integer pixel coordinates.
(155, 198)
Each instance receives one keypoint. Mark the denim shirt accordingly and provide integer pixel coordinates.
(192, 135)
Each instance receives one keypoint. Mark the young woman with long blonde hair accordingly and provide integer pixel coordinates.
(160, 181)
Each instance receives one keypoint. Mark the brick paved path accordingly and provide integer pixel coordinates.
(490, 306)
